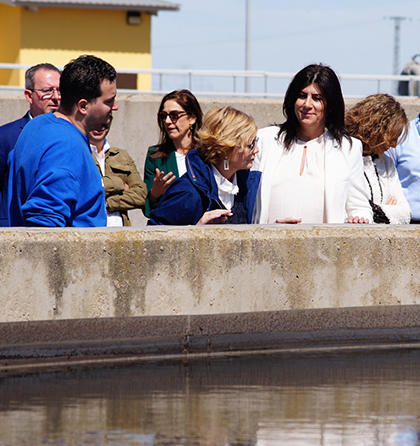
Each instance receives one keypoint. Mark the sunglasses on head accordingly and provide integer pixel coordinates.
(174, 115)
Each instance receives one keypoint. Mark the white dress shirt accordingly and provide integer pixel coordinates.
(227, 189)
(113, 218)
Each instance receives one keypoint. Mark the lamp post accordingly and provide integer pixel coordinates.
(247, 44)
(397, 29)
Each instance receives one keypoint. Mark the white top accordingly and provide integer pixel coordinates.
(297, 189)
(345, 186)
(390, 185)
(180, 162)
(227, 189)
(112, 218)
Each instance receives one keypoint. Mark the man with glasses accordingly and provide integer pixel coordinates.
(42, 91)
(53, 180)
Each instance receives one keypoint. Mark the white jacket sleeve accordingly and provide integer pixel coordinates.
(358, 199)
(399, 213)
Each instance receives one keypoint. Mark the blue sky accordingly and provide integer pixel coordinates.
(353, 37)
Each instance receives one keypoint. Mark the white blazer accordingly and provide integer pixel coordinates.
(345, 186)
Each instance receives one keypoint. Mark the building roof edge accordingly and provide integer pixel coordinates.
(137, 5)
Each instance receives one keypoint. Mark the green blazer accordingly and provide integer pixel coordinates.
(166, 165)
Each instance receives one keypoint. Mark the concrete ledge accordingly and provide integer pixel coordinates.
(206, 290)
(28, 345)
(164, 271)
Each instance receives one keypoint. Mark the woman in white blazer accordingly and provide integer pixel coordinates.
(312, 170)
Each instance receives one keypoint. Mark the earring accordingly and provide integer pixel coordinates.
(226, 163)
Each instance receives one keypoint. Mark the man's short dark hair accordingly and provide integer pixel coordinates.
(82, 79)
(30, 73)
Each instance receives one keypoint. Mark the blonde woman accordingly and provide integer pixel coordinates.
(378, 121)
(218, 186)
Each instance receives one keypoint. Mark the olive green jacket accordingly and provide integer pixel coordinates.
(119, 169)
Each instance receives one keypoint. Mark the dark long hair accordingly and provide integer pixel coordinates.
(326, 79)
(190, 104)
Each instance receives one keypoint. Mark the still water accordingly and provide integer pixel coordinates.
(324, 399)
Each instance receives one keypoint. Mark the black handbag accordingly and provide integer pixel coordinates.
(378, 214)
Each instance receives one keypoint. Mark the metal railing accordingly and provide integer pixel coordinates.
(164, 80)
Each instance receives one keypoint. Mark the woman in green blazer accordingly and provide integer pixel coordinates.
(179, 118)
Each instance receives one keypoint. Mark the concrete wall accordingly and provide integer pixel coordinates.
(135, 127)
(76, 293)
(96, 273)
(79, 296)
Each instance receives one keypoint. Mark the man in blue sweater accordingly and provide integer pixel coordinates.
(53, 180)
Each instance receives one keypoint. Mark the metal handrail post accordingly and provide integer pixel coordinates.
(265, 84)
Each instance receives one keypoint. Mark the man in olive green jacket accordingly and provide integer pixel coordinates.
(124, 188)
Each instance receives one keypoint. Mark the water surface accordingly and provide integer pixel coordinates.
(323, 399)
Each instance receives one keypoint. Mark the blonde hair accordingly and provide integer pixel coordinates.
(378, 121)
(224, 129)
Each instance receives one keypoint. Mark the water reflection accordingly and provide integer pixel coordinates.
(352, 399)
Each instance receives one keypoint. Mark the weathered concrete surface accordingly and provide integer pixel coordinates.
(198, 290)
(90, 273)
(135, 127)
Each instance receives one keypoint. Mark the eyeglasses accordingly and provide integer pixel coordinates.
(252, 146)
(47, 93)
(174, 115)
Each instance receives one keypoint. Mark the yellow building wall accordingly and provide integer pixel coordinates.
(10, 40)
(57, 35)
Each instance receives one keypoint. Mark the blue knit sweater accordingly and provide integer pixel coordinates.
(53, 180)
